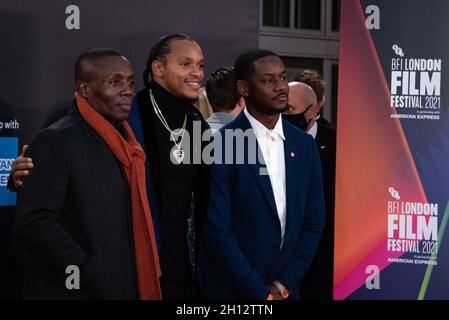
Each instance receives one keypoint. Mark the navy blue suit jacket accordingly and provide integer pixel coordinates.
(242, 253)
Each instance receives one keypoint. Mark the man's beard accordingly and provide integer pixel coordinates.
(284, 109)
(273, 110)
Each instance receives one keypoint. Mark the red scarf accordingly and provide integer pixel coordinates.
(132, 158)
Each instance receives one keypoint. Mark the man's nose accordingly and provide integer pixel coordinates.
(197, 71)
(282, 85)
(128, 90)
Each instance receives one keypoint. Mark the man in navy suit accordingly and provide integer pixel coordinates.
(266, 216)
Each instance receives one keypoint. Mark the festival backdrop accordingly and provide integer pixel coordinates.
(41, 41)
(392, 183)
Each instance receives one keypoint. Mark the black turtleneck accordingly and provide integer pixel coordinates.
(173, 108)
(174, 185)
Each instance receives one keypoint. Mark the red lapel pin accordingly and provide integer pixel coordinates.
(292, 154)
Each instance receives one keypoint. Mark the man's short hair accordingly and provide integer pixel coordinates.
(221, 90)
(159, 51)
(87, 59)
(314, 80)
(244, 64)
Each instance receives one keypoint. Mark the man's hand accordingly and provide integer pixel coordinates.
(21, 168)
(275, 292)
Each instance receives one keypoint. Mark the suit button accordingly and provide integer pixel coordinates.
(275, 249)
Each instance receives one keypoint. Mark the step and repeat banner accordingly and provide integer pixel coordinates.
(392, 183)
(41, 41)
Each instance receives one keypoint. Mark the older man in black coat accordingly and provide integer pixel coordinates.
(74, 208)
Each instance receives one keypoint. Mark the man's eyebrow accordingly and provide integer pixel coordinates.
(120, 73)
(272, 73)
(188, 58)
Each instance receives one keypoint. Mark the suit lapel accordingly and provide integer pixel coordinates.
(261, 173)
(291, 154)
(259, 170)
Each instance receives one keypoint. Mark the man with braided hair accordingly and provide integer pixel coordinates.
(163, 116)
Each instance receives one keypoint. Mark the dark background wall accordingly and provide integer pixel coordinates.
(38, 53)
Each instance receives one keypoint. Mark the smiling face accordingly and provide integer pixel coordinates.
(267, 90)
(181, 72)
(109, 87)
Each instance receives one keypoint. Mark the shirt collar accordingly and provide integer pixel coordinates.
(313, 131)
(221, 117)
(260, 129)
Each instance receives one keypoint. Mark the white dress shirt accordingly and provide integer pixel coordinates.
(271, 143)
(314, 130)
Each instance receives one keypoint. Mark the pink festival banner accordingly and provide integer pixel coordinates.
(392, 175)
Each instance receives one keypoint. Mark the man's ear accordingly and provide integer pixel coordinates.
(316, 109)
(321, 103)
(242, 87)
(157, 68)
(82, 88)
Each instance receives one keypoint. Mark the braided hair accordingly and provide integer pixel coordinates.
(159, 51)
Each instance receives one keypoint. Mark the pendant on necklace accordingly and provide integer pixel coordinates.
(178, 154)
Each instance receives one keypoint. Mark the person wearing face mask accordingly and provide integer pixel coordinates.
(314, 80)
(302, 107)
(317, 284)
